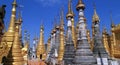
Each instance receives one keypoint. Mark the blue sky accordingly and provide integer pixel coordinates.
(35, 11)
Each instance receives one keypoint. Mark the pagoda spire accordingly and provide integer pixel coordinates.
(11, 28)
(20, 16)
(61, 49)
(15, 55)
(69, 7)
(95, 19)
(20, 23)
(9, 35)
(69, 47)
(70, 12)
(73, 26)
(71, 15)
(95, 16)
(99, 49)
(83, 54)
(41, 46)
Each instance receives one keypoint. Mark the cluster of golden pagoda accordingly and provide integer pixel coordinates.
(12, 36)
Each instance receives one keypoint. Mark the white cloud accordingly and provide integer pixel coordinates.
(49, 2)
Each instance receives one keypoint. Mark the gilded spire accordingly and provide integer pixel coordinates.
(61, 48)
(69, 6)
(15, 56)
(73, 28)
(41, 47)
(98, 45)
(69, 45)
(9, 35)
(80, 5)
(19, 21)
(95, 16)
(70, 12)
(13, 18)
(14, 3)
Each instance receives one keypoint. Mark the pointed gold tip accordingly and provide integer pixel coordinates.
(69, 5)
(80, 1)
(40, 46)
(70, 12)
(14, 2)
(95, 16)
